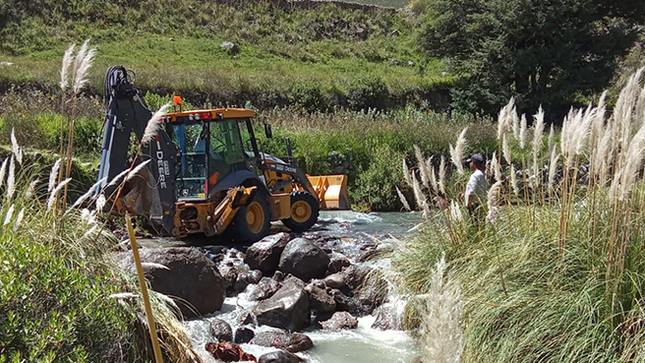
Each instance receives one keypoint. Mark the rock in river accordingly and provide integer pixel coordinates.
(183, 273)
(280, 356)
(296, 342)
(265, 254)
(221, 330)
(287, 309)
(339, 321)
(304, 259)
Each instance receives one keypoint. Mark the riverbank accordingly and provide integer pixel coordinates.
(556, 273)
(62, 298)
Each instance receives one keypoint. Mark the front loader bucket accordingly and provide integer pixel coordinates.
(331, 191)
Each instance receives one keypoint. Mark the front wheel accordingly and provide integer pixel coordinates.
(304, 212)
(252, 222)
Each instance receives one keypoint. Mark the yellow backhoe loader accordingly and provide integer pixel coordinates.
(205, 172)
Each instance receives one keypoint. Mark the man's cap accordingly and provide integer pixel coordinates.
(478, 158)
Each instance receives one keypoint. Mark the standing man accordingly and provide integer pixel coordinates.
(476, 189)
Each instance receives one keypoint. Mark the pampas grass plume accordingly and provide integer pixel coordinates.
(523, 126)
(404, 201)
(506, 149)
(8, 216)
(457, 153)
(19, 219)
(15, 148)
(553, 166)
(52, 176)
(11, 179)
(406, 172)
(441, 323)
(82, 64)
(442, 175)
(3, 170)
(68, 58)
(154, 124)
(52, 195)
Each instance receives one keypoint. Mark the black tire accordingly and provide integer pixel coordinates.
(304, 212)
(252, 222)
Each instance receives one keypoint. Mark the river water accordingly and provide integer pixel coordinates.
(361, 345)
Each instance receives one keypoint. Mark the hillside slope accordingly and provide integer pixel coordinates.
(315, 54)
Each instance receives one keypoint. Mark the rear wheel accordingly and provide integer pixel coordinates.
(252, 222)
(304, 212)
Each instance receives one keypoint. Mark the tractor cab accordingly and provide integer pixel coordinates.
(213, 144)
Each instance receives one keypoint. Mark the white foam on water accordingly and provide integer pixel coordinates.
(361, 345)
(348, 217)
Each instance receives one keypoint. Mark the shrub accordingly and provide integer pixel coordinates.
(368, 93)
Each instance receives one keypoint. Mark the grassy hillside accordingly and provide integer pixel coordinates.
(284, 52)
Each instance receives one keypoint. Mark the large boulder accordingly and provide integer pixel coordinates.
(221, 330)
(296, 342)
(341, 320)
(265, 254)
(287, 309)
(183, 273)
(280, 356)
(304, 259)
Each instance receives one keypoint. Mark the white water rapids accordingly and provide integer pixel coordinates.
(361, 345)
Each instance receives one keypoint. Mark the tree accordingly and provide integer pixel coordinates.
(543, 52)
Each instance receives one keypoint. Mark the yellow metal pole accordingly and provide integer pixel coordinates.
(152, 328)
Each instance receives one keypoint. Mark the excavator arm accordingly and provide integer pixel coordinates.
(153, 191)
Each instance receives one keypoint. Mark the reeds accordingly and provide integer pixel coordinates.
(571, 250)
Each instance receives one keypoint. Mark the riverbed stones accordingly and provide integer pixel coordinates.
(264, 289)
(385, 318)
(280, 356)
(243, 335)
(296, 342)
(372, 293)
(355, 275)
(337, 262)
(319, 300)
(304, 259)
(341, 320)
(221, 330)
(335, 281)
(228, 352)
(183, 273)
(265, 254)
(286, 309)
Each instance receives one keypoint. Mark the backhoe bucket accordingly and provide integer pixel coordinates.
(331, 191)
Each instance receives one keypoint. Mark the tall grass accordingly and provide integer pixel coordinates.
(62, 298)
(557, 273)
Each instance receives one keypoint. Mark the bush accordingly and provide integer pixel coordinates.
(376, 185)
(309, 97)
(369, 93)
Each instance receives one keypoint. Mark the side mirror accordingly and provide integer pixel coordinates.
(267, 131)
